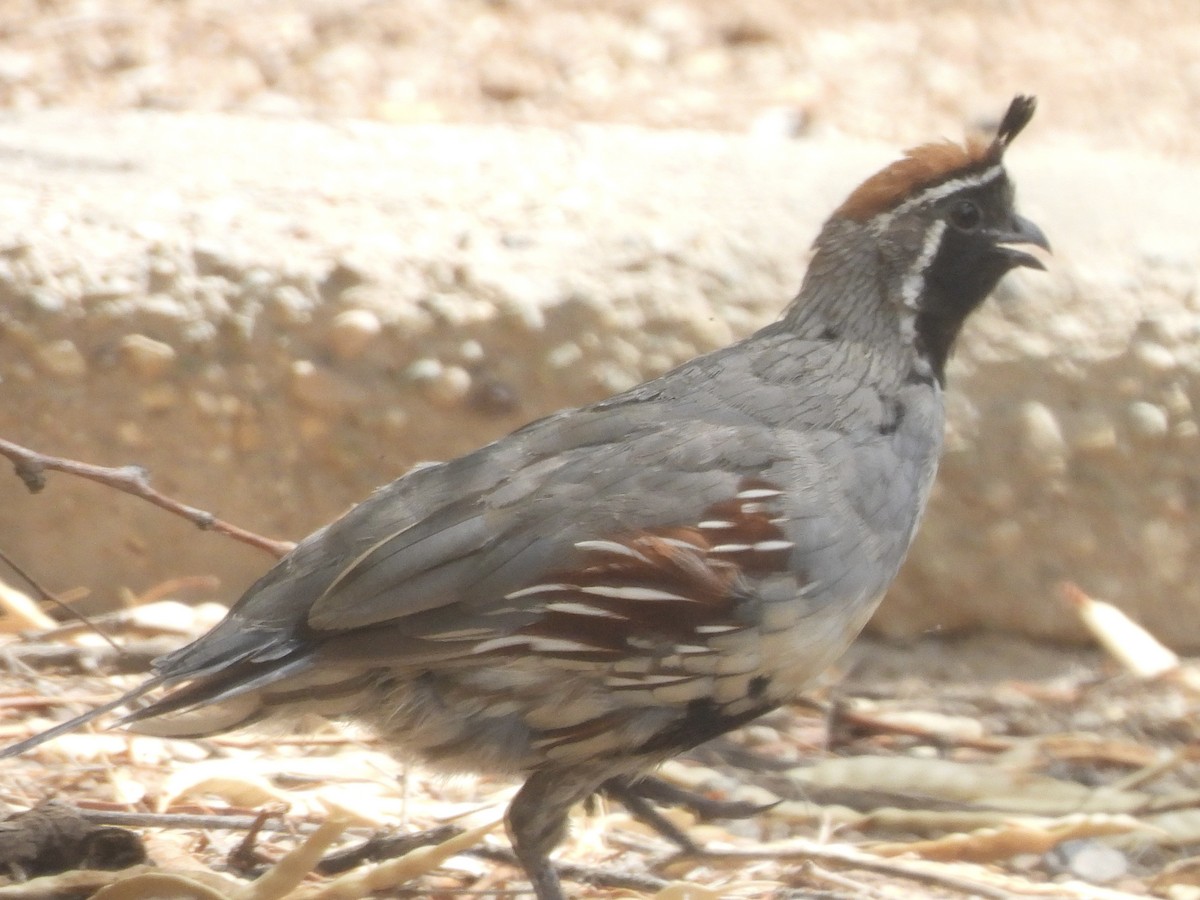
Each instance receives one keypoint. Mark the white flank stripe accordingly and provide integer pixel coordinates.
(461, 634)
(539, 589)
(716, 629)
(716, 523)
(630, 593)
(582, 609)
(914, 280)
(691, 649)
(616, 681)
(758, 494)
(610, 547)
(730, 548)
(557, 645)
(680, 543)
(769, 546)
(502, 643)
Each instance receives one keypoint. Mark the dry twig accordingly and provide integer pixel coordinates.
(31, 468)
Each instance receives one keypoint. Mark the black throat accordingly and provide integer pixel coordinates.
(957, 280)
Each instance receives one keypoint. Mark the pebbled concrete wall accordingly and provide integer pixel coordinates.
(275, 316)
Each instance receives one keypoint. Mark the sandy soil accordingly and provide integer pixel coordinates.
(1127, 74)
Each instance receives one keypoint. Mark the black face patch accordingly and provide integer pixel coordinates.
(967, 265)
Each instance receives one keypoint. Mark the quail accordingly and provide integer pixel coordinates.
(612, 585)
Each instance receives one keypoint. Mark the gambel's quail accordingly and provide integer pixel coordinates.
(612, 585)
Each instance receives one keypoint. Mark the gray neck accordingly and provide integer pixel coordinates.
(843, 295)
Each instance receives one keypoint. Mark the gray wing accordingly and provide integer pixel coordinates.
(447, 541)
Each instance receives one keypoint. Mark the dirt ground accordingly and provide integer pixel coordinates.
(1126, 74)
(984, 768)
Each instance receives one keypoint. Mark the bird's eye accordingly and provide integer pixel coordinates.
(965, 215)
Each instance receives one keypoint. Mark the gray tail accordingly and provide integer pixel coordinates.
(81, 720)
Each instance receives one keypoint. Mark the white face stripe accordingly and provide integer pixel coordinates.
(935, 193)
(914, 278)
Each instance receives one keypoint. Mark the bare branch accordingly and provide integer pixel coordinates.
(31, 468)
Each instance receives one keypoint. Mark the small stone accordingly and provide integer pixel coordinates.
(564, 356)
(1154, 356)
(341, 278)
(61, 359)
(352, 331)
(1090, 860)
(492, 396)
(449, 387)
(1044, 445)
(1094, 432)
(780, 122)
(159, 397)
(425, 369)
(212, 259)
(145, 356)
(471, 351)
(1148, 420)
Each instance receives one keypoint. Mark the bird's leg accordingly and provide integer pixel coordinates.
(537, 821)
(625, 791)
(667, 794)
(636, 796)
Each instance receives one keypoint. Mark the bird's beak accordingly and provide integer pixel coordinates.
(1021, 234)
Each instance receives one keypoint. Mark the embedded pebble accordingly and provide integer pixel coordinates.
(1044, 445)
(352, 331)
(448, 387)
(159, 397)
(62, 359)
(1154, 356)
(564, 356)
(1148, 420)
(1094, 431)
(145, 356)
(1091, 860)
(781, 122)
(471, 351)
(425, 369)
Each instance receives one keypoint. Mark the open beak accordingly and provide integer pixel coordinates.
(1022, 233)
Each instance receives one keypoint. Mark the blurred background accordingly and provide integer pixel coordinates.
(1123, 75)
(278, 252)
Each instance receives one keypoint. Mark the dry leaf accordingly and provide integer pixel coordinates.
(220, 778)
(396, 872)
(1015, 837)
(287, 874)
(20, 612)
(1129, 643)
(162, 886)
(681, 890)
